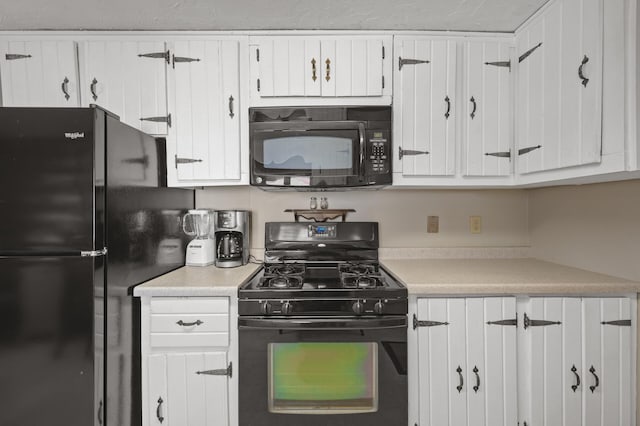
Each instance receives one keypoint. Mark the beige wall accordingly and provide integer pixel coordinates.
(401, 213)
(594, 227)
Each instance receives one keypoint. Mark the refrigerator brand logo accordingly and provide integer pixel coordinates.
(74, 135)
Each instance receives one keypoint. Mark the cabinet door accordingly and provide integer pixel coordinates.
(128, 78)
(607, 369)
(39, 73)
(491, 361)
(487, 131)
(207, 110)
(552, 347)
(157, 391)
(443, 386)
(560, 87)
(188, 389)
(289, 66)
(352, 66)
(424, 106)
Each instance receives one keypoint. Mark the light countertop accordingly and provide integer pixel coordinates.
(198, 281)
(501, 276)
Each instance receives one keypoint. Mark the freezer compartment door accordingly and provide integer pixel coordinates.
(50, 361)
(47, 199)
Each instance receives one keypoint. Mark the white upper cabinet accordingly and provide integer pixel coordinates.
(39, 72)
(487, 119)
(317, 66)
(129, 78)
(424, 106)
(209, 109)
(559, 97)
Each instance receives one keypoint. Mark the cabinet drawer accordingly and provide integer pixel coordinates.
(190, 324)
(179, 340)
(191, 305)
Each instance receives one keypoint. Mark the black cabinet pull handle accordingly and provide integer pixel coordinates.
(584, 79)
(189, 324)
(231, 114)
(448, 113)
(94, 83)
(100, 413)
(475, 107)
(158, 410)
(477, 386)
(574, 370)
(459, 387)
(65, 88)
(328, 76)
(593, 387)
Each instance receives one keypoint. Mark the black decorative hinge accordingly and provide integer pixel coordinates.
(218, 372)
(537, 323)
(417, 323)
(258, 84)
(182, 59)
(619, 323)
(528, 53)
(257, 55)
(501, 154)
(527, 150)
(504, 64)
(403, 62)
(163, 119)
(157, 55)
(14, 56)
(506, 322)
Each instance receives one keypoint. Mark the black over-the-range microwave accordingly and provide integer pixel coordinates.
(320, 147)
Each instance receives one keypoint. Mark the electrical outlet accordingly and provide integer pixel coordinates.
(433, 224)
(475, 224)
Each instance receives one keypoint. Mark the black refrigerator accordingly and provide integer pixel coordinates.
(85, 216)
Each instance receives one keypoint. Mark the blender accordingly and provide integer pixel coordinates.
(201, 250)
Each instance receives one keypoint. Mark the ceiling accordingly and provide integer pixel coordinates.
(463, 15)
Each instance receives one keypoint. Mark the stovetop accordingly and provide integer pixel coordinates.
(322, 270)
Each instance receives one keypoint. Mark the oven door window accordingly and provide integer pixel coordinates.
(308, 153)
(323, 377)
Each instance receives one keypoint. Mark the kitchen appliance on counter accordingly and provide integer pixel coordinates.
(231, 233)
(322, 331)
(82, 218)
(201, 250)
(320, 147)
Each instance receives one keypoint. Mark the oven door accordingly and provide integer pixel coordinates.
(303, 154)
(321, 371)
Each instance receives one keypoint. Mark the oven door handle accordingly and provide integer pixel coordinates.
(361, 132)
(357, 323)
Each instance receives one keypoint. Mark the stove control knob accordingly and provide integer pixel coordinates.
(287, 308)
(358, 307)
(378, 307)
(265, 308)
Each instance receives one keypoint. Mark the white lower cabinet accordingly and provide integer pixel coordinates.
(562, 361)
(186, 380)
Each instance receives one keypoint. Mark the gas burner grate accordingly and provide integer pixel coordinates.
(357, 268)
(285, 269)
(364, 281)
(280, 282)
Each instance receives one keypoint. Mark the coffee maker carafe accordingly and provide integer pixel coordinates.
(231, 233)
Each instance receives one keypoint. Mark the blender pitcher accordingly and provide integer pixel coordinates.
(200, 251)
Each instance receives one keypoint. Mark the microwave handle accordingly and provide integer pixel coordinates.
(361, 131)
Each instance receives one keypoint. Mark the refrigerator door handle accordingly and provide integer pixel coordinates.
(94, 253)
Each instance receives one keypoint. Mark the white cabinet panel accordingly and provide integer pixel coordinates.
(560, 87)
(128, 78)
(330, 66)
(487, 100)
(467, 362)
(39, 73)
(424, 107)
(207, 110)
(157, 390)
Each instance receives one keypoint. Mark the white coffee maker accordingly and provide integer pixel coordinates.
(201, 250)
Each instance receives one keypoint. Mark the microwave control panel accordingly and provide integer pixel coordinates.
(379, 152)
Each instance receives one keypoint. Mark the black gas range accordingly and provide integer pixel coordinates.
(322, 331)
(328, 269)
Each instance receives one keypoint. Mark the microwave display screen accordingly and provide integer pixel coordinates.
(317, 153)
